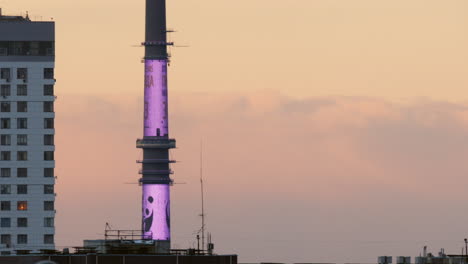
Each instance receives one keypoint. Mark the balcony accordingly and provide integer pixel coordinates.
(156, 161)
(157, 143)
(165, 180)
(156, 172)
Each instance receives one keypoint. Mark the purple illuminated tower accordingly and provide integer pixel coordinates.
(156, 142)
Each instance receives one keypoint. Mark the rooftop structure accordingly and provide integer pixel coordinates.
(13, 18)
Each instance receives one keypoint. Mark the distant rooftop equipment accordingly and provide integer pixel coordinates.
(385, 260)
(403, 260)
(13, 18)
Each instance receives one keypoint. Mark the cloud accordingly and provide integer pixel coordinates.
(321, 173)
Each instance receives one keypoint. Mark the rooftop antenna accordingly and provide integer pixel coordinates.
(202, 196)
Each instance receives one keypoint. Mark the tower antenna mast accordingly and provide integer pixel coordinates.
(202, 197)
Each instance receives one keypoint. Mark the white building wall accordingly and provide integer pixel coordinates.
(35, 163)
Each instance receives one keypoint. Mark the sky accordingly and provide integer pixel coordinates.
(333, 130)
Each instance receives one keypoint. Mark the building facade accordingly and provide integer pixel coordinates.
(27, 179)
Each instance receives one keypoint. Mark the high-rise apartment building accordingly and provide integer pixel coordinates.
(27, 131)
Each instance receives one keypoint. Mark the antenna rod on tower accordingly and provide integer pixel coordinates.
(202, 196)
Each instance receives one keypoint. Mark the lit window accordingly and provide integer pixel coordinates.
(22, 140)
(5, 189)
(22, 222)
(22, 189)
(5, 172)
(22, 206)
(22, 155)
(22, 172)
(21, 90)
(22, 107)
(48, 205)
(21, 123)
(22, 239)
(5, 140)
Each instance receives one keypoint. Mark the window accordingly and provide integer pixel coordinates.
(48, 90)
(48, 172)
(22, 172)
(48, 239)
(49, 106)
(21, 90)
(48, 155)
(5, 222)
(48, 189)
(5, 239)
(21, 123)
(5, 123)
(5, 205)
(5, 155)
(5, 140)
(5, 253)
(49, 140)
(5, 90)
(21, 106)
(5, 189)
(49, 73)
(22, 189)
(5, 73)
(22, 73)
(22, 206)
(48, 205)
(22, 222)
(48, 123)
(5, 172)
(5, 107)
(22, 140)
(22, 155)
(22, 239)
(49, 222)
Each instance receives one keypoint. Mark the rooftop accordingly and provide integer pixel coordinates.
(13, 18)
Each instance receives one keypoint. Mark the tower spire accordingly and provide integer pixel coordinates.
(156, 142)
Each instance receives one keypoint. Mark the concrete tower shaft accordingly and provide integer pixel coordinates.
(156, 37)
(156, 142)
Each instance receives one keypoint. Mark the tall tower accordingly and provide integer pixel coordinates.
(27, 196)
(156, 142)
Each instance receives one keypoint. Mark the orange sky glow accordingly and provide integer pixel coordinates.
(333, 130)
